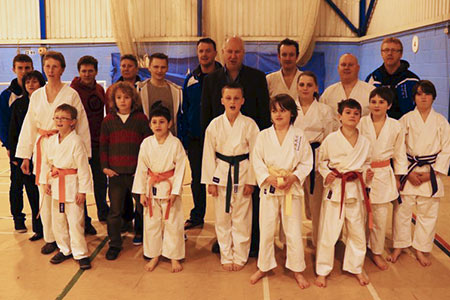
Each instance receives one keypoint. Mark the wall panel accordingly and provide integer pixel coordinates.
(19, 19)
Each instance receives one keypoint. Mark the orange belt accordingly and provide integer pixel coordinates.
(44, 134)
(380, 164)
(157, 178)
(351, 176)
(61, 174)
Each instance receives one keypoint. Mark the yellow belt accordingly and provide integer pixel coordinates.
(280, 174)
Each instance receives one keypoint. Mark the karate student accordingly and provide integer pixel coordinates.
(38, 125)
(282, 159)
(317, 121)
(428, 150)
(226, 170)
(67, 179)
(388, 142)
(159, 181)
(344, 155)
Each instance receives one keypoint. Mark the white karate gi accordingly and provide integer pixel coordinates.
(293, 155)
(335, 93)
(390, 143)
(276, 84)
(68, 227)
(422, 138)
(233, 229)
(316, 124)
(161, 236)
(40, 116)
(337, 153)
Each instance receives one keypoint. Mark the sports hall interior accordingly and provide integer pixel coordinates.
(325, 30)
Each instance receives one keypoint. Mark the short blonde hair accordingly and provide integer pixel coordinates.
(392, 40)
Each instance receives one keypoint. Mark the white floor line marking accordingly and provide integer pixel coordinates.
(371, 289)
(266, 290)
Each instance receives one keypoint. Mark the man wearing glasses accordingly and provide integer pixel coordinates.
(394, 74)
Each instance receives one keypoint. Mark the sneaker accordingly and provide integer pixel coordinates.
(89, 229)
(112, 253)
(49, 248)
(36, 237)
(137, 240)
(59, 258)
(20, 227)
(85, 263)
(192, 224)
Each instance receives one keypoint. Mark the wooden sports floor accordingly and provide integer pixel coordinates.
(27, 274)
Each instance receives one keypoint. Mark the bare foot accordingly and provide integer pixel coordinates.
(301, 280)
(176, 266)
(321, 281)
(237, 267)
(363, 279)
(227, 267)
(423, 260)
(257, 276)
(151, 265)
(379, 261)
(395, 255)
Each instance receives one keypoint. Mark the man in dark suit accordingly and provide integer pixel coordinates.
(256, 105)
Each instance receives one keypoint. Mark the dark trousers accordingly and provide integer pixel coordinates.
(18, 180)
(254, 246)
(100, 184)
(195, 150)
(119, 187)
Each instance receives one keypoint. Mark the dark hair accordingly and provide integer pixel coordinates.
(87, 60)
(128, 89)
(159, 110)
(348, 103)
(313, 76)
(160, 56)
(56, 56)
(207, 41)
(426, 87)
(383, 92)
(288, 42)
(129, 57)
(33, 74)
(69, 109)
(233, 85)
(286, 102)
(22, 58)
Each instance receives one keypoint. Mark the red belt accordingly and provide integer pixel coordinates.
(44, 134)
(61, 174)
(380, 164)
(157, 178)
(351, 176)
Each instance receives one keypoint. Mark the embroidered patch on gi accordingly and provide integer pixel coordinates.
(297, 141)
(216, 180)
(61, 207)
(265, 191)
(271, 190)
(154, 190)
(330, 193)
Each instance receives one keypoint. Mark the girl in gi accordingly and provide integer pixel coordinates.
(428, 149)
(121, 135)
(159, 180)
(282, 159)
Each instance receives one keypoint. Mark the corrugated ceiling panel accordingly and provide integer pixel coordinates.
(19, 19)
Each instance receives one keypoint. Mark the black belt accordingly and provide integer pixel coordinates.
(233, 161)
(312, 175)
(419, 161)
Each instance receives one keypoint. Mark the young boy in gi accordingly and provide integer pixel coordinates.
(388, 142)
(67, 179)
(226, 170)
(428, 150)
(159, 181)
(282, 159)
(343, 157)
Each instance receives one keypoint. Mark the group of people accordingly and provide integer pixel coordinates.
(261, 146)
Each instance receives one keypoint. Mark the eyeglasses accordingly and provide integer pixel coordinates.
(391, 50)
(61, 119)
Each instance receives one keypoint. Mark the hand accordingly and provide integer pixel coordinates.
(397, 181)
(80, 198)
(414, 178)
(48, 189)
(424, 176)
(110, 173)
(212, 190)
(330, 178)
(248, 189)
(369, 175)
(9, 153)
(288, 181)
(25, 167)
(272, 180)
(15, 163)
(144, 200)
(172, 199)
